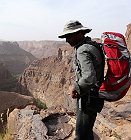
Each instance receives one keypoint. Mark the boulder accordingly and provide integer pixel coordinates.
(30, 123)
(10, 101)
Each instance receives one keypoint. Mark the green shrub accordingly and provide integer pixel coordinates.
(40, 104)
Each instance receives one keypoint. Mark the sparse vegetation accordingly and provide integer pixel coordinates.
(40, 104)
(5, 133)
(6, 136)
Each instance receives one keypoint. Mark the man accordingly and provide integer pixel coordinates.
(89, 67)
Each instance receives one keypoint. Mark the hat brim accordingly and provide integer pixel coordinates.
(84, 29)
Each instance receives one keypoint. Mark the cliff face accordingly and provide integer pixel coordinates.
(14, 58)
(4, 73)
(48, 79)
(8, 102)
(42, 49)
(128, 36)
(7, 81)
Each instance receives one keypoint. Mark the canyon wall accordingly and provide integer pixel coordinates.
(49, 78)
(14, 58)
(128, 36)
(42, 49)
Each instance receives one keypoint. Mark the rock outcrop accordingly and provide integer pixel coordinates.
(30, 123)
(128, 36)
(42, 49)
(14, 58)
(10, 101)
(48, 79)
(56, 123)
(114, 122)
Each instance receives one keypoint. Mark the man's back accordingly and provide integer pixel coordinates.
(89, 60)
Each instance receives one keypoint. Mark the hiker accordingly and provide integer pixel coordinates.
(89, 67)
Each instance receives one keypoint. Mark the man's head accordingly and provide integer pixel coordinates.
(74, 32)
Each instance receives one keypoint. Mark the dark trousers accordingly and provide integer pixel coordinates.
(86, 116)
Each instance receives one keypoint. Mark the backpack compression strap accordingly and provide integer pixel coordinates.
(111, 95)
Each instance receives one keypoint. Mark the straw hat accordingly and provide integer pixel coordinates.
(73, 26)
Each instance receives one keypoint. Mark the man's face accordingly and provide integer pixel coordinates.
(72, 39)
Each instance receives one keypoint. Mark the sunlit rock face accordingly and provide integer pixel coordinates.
(128, 36)
(49, 78)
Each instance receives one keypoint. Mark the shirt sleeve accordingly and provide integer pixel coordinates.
(88, 73)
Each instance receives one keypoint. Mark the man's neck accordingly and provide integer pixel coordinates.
(80, 42)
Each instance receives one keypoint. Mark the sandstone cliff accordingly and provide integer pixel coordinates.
(42, 49)
(128, 36)
(48, 79)
(14, 58)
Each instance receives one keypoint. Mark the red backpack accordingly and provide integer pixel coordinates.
(118, 77)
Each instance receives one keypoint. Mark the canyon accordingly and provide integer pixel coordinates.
(47, 79)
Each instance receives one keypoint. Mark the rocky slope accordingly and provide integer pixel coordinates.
(14, 58)
(42, 49)
(57, 123)
(7, 81)
(48, 79)
(4, 73)
(114, 122)
(51, 124)
(128, 36)
(10, 101)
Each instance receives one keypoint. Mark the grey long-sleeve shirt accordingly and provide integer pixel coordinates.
(88, 67)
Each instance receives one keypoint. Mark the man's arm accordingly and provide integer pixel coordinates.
(88, 73)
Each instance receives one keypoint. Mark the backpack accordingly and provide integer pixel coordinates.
(118, 77)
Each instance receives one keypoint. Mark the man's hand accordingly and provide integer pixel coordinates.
(72, 92)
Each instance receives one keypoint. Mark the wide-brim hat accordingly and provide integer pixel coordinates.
(72, 27)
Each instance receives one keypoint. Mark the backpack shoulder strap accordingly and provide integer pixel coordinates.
(100, 49)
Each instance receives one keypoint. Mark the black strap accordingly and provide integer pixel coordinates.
(99, 47)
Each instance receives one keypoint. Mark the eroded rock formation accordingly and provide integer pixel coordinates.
(14, 58)
(114, 122)
(128, 36)
(48, 79)
(42, 49)
(10, 101)
(30, 123)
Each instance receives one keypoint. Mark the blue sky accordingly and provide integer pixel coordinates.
(44, 19)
